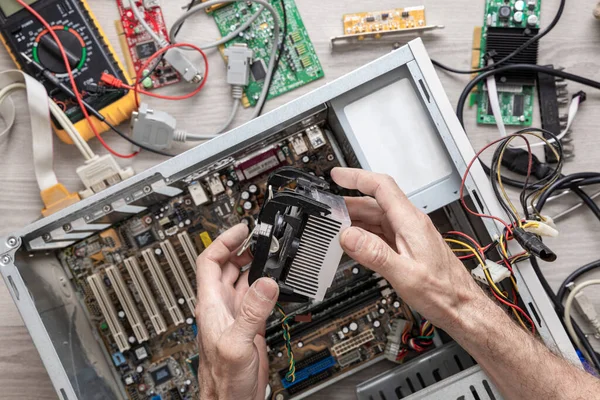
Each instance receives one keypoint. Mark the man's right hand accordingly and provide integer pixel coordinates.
(392, 237)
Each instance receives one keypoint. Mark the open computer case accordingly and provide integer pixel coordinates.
(87, 303)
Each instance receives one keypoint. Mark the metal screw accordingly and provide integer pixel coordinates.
(6, 260)
(46, 237)
(106, 208)
(67, 227)
(127, 199)
(147, 189)
(12, 241)
(87, 218)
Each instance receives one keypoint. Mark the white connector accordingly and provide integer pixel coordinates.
(183, 65)
(239, 58)
(101, 172)
(540, 228)
(585, 307)
(497, 272)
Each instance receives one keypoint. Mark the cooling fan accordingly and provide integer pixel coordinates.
(297, 236)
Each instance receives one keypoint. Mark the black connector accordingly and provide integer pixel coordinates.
(517, 161)
(534, 245)
(94, 88)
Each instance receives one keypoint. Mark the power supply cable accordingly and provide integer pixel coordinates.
(517, 51)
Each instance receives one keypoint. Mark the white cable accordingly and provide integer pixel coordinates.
(273, 56)
(70, 129)
(567, 316)
(495, 104)
(573, 108)
(162, 42)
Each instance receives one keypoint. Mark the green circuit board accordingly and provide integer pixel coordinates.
(299, 64)
(516, 101)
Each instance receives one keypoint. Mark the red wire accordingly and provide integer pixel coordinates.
(516, 308)
(136, 87)
(72, 79)
(464, 179)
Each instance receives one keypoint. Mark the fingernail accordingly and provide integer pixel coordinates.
(266, 288)
(353, 239)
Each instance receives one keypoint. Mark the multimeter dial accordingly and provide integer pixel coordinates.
(47, 53)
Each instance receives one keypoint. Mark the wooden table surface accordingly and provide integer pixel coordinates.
(574, 44)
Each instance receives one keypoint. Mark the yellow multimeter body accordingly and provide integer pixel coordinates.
(87, 49)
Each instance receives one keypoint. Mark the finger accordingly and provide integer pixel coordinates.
(231, 270)
(254, 311)
(371, 251)
(376, 229)
(208, 265)
(383, 188)
(364, 209)
(242, 284)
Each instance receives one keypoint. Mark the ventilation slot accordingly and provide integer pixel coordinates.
(474, 392)
(488, 389)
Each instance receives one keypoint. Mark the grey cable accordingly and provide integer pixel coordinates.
(162, 42)
(234, 110)
(273, 59)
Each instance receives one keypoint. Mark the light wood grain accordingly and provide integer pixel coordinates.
(573, 44)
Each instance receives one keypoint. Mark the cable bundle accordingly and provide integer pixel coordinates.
(291, 374)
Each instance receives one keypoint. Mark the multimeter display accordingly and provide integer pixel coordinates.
(9, 7)
(87, 54)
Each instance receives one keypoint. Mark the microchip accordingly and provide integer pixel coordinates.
(405, 14)
(141, 353)
(145, 239)
(161, 375)
(518, 105)
(385, 16)
(145, 50)
(259, 71)
(370, 18)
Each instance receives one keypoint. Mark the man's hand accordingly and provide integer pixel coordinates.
(392, 237)
(231, 322)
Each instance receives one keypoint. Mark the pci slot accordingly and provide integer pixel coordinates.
(348, 345)
(188, 248)
(135, 272)
(131, 311)
(109, 312)
(179, 272)
(163, 286)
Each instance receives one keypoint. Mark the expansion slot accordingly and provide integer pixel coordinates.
(131, 311)
(163, 286)
(348, 345)
(109, 312)
(135, 272)
(179, 272)
(188, 248)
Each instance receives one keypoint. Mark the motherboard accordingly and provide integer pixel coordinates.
(137, 282)
(507, 25)
(299, 63)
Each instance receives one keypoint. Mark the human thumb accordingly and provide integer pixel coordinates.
(369, 250)
(256, 307)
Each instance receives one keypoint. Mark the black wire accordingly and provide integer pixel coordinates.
(562, 290)
(517, 51)
(574, 180)
(135, 143)
(279, 55)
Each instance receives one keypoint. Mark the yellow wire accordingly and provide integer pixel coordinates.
(499, 177)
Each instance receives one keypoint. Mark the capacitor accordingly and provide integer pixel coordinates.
(253, 189)
(139, 369)
(189, 321)
(300, 345)
(384, 302)
(345, 330)
(532, 20)
(305, 159)
(158, 252)
(381, 311)
(183, 389)
(148, 220)
(245, 195)
(121, 314)
(248, 206)
(518, 17)
(131, 339)
(188, 222)
(355, 271)
(353, 326)
(519, 5)
(396, 304)
(376, 324)
(181, 225)
(279, 354)
(229, 183)
(181, 301)
(142, 387)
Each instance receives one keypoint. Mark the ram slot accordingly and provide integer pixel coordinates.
(188, 248)
(131, 311)
(180, 277)
(163, 286)
(135, 272)
(108, 309)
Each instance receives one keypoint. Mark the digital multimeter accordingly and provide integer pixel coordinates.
(87, 50)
